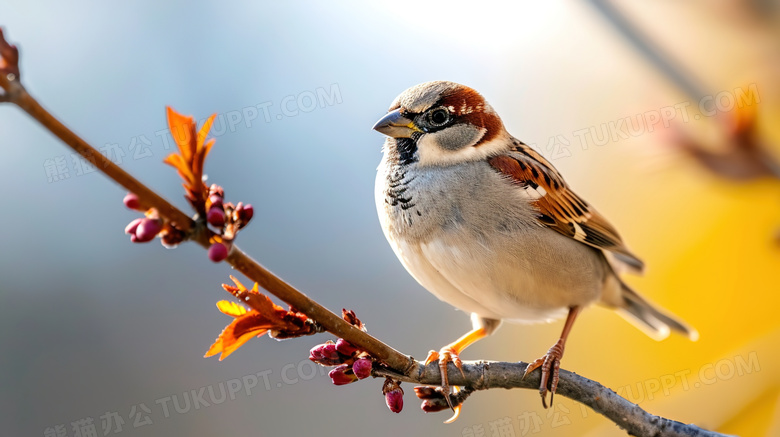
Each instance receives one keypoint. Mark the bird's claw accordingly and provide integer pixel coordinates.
(446, 355)
(551, 365)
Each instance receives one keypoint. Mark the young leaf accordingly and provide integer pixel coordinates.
(265, 316)
(193, 150)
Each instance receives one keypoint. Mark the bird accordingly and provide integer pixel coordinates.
(485, 223)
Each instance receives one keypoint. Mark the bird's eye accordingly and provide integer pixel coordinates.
(438, 117)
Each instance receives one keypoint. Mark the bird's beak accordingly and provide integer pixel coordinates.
(396, 125)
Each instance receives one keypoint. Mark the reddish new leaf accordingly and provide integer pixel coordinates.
(265, 316)
(241, 330)
(9, 58)
(193, 150)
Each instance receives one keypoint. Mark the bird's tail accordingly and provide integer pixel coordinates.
(650, 319)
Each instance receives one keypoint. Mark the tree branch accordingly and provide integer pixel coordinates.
(476, 375)
(17, 94)
(485, 375)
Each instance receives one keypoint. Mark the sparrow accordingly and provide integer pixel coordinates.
(488, 225)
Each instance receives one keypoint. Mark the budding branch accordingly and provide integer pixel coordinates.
(476, 375)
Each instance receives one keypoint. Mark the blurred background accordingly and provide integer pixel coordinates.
(102, 335)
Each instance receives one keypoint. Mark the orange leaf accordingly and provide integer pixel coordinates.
(241, 330)
(182, 130)
(259, 302)
(178, 163)
(204, 131)
(208, 146)
(264, 316)
(189, 161)
(231, 308)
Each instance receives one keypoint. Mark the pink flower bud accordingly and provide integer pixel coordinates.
(215, 189)
(329, 351)
(215, 200)
(426, 392)
(395, 400)
(362, 368)
(216, 216)
(148, 229)
(342, 375)
(315, 354)
(319, 351)
(345, 348)
(218, 252)
(325, 354)
(131, 201)
(246, 213)
(433, 398)
(434, 405)
(132, 226)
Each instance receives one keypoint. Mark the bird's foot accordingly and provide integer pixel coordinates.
(446, 355)
(550, 364)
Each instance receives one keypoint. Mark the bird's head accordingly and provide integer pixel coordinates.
(442, 123)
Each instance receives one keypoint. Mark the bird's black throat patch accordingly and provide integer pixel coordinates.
(405, 150)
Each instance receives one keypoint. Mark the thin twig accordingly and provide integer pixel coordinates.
(237, 258)
(327, 319)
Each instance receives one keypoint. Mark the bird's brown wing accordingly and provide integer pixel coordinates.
(559, 207)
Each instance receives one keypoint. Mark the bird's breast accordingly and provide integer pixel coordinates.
(420, 202)
(470, 237)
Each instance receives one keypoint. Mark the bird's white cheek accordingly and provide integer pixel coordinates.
(432, 151)
(437, 148)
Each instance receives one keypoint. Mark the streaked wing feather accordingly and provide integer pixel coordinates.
(559, 207)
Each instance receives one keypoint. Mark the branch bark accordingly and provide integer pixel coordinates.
(476, 375)
(485, 375)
